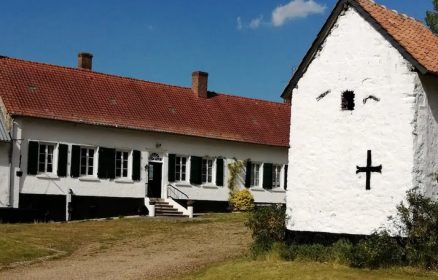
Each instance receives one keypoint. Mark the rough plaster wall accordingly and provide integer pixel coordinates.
(4, 174)
(325, 193)
(426, 136)
(53, 131)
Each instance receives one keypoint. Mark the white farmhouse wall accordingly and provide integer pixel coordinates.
(426, 136)
(326, 194)
(4, 174)
(77, 134)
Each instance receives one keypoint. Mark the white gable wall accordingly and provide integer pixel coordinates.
(77, 134)
(426, 136)
(325, 194)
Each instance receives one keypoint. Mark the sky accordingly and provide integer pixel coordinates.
(248, 47)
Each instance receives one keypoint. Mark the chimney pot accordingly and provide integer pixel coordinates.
(85, 60)
(199, 83)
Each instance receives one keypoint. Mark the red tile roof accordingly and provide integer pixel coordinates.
(46, 91)
(411, 37)
(410, 33)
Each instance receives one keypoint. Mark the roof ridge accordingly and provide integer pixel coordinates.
(394, 11)
(92, 72)
(251, 98)
(133, 79)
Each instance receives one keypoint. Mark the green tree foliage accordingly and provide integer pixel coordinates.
(432, 18)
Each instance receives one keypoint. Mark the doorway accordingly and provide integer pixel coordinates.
(154, 178)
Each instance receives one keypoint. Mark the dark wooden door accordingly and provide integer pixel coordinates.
(154, 179)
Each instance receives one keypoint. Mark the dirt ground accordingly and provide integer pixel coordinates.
(162, 254)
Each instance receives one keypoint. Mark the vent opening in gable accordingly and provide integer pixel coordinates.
(347, 103)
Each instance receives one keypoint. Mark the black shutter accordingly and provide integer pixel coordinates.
(32, 158)
(219, 172)
(107, 163)
(102, 170)
(285, 177)
(110, 157)
(195, 170)
(75, 161)
(62, 160)
(136, 165)
(267, 176)
(248, 174)
(171, 168)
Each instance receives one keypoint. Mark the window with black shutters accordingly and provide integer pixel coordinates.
(46, 153)
(122, 164)
(207, 170)
(180, 168)
(87, 161)
(276, 171)
(255, 174)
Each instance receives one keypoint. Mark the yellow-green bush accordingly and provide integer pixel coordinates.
(242, 200)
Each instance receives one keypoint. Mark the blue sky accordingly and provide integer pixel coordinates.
(246, 50)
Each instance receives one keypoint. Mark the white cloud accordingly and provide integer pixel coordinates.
(256, 22)
(239, 23)
(295, 9)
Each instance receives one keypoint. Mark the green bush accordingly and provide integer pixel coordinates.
(418, 222)
(267, 225)
(242, 200)
(377, 250)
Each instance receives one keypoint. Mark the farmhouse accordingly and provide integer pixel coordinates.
(80, 144)
(365, 120)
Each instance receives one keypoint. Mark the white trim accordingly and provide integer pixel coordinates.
(128, 177)
(54, 158)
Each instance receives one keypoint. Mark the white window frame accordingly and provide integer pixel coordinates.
(95, 161)
(129, 165)
(187, 168)
(277, 169)
(54, 157)
(255, 180)
(213, 171)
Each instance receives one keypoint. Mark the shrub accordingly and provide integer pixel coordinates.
(242, 200)
(377, 250)
(267, 225)
(418, 222)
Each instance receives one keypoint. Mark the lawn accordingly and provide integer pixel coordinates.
(276, 269)
(214, 246)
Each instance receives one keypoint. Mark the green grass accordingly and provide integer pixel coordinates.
(277, 269)
(28, 242)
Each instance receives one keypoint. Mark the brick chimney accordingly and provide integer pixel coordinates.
(85, 60)
(199, 83)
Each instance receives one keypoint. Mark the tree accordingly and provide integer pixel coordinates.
(432, 18)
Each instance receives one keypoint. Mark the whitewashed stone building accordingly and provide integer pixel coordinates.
(364, 120)
(86, 144)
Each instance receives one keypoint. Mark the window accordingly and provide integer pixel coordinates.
(255, 174)
(347, 103)
(276, 170)
(122, 164)
(87, 161)
(45, 158)
(207, 170)
(180, 168)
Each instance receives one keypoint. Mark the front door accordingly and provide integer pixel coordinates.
(154, 180)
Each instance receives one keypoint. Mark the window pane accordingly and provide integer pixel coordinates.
(90, 170)
(83, 170)
(125, 173)
(91, 152)
(118, 172)
(41, 167)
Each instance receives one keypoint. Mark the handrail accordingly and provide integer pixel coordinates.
(173, 189)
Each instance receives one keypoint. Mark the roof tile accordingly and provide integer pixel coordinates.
(53, 92)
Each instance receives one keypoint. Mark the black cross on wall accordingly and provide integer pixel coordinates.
(368, 169)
